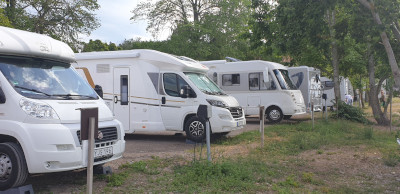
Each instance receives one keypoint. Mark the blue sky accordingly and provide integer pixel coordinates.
(116, 25)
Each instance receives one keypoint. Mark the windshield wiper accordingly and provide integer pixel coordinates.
(69, 96)
(33, 90)
(207, 92)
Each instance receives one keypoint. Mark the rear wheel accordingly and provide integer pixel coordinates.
(195, 129)
(274, 114)
(13, 169)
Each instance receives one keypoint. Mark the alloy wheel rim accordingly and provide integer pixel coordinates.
(196, 128)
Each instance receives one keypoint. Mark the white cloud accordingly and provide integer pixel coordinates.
(116, 25)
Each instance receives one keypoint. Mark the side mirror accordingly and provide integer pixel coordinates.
(99, 90)
(317, 78)
(187, 92)
(265, 75)
(2, 97)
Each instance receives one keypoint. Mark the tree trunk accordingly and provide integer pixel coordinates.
(361, 94)
(379, 116)
(330, 15)
(385, 40)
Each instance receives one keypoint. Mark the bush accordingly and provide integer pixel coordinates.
(351, 113)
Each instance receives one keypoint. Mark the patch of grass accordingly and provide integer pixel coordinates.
(247, 137)
(278, 166)
(391, 159)
(226, 176)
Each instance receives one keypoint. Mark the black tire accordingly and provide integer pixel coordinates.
(13, 169)
(195, 129)
(287, 117)
(274, 114)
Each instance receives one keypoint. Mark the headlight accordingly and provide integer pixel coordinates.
(37, 109)
(217, 103)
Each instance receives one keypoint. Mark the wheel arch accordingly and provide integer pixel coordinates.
(187, 117)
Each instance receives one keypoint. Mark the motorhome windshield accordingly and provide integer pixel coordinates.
(45, 79)
(204, 84)
(284, 80)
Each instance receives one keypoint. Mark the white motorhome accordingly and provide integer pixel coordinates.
(259, 83)
(307, 80)
(151, 91)
(40, 98)
(345, 88)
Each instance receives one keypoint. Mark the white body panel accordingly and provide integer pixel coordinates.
(145, 70)
(305, 79)
(289, 101)
(49, 145)
(345, 87)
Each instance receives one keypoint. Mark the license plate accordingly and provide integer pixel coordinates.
(240, 123)
(102, 152)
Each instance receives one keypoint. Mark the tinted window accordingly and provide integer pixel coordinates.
(173, 83)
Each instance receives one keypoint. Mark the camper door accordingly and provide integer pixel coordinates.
(173, 106)
(121, 95)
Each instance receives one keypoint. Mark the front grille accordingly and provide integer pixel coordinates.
(109, 134)
(236, 112)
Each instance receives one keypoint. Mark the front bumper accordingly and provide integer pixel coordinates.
(56, 147)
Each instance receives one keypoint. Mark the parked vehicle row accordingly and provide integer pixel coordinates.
(43, 86)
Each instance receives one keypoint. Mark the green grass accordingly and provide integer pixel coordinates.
(276, 167)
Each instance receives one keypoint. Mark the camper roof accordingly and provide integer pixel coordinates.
(18, 42)
(161, 60)
(243, 65)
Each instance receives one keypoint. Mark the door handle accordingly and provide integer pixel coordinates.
(115, 99)
(163, 100)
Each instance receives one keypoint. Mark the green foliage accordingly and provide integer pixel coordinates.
(98, 45)
(63, 20)
(351, 113)
(4, 19)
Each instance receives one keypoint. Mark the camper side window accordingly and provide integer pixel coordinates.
(256, 82)
(230, 79)
(173, 83)
(124, 90)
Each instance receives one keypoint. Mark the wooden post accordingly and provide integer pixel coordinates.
(312, 114)
(262, 121)
(391, 101)
(90, 155)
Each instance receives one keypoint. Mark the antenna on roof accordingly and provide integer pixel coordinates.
(231, 59)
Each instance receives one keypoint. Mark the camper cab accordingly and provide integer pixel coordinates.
(259, 83)
(307, 80)
(40, 98)
(151, 91)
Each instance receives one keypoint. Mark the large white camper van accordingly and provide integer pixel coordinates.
(151, 91)
(259, 83)
(345, 88)
(40, 94)
(307, 80)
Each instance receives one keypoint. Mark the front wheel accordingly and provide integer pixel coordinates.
(195, 129)
(274, 114)
(13, 169)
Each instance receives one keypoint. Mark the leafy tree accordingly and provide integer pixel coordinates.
(98, 45)
(4, 19)
(201, 29)
(171, 13)
(392, 8)
(62, 19)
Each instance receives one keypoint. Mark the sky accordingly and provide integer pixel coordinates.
(116, 26)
